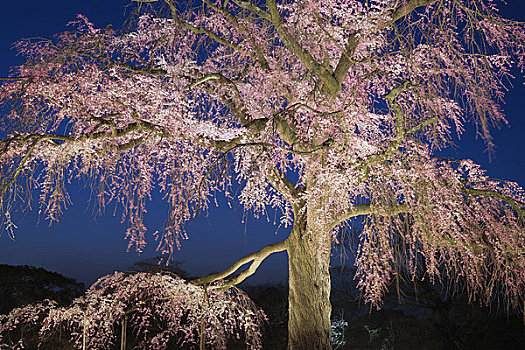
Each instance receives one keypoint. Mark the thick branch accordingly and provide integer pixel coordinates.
(12, 78)
(398, 111)
(18, 170)
(345, 62)
(286, 130)
(255, 259)
(209, 77)
(131, 144)
(304, 56)
(405, 9)
(198, 30)
(52, 138)
(284, 186)
(236, 105)
(250, 6)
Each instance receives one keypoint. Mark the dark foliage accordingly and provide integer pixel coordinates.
(273, 299)
(22, 285)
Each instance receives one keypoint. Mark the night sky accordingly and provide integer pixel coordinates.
(86, 247)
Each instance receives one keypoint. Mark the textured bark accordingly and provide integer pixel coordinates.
(309, 283)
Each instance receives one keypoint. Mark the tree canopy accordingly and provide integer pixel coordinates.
(322, 110)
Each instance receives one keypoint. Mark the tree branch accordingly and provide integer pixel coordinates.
(259, 54)
(208, 77)
(407, 8)
(368, 209)
(345, 62)
(255, 258)
(18, 170)
(198, 30)
(236, 106)
(304, 56)
(250, 6)
(288, 189)
(401, 133)
(52, 138)
(489, 193)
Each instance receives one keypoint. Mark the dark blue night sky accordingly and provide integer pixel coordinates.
(86, 248)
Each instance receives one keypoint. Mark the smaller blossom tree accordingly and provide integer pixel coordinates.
(160, 310)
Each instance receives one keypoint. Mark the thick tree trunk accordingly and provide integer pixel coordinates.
(309, 283)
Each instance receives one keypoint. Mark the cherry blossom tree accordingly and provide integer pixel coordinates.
(325, 111)
(158, 309)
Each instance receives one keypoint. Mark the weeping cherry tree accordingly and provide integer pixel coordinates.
(325, 111)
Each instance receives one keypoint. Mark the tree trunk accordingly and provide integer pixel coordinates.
(123, 332)
(309, 282)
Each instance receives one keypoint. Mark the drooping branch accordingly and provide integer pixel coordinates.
(255, 259)
(490, 193)
(369, 209)
(443, 241)
(35, 139)
(516, 205)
